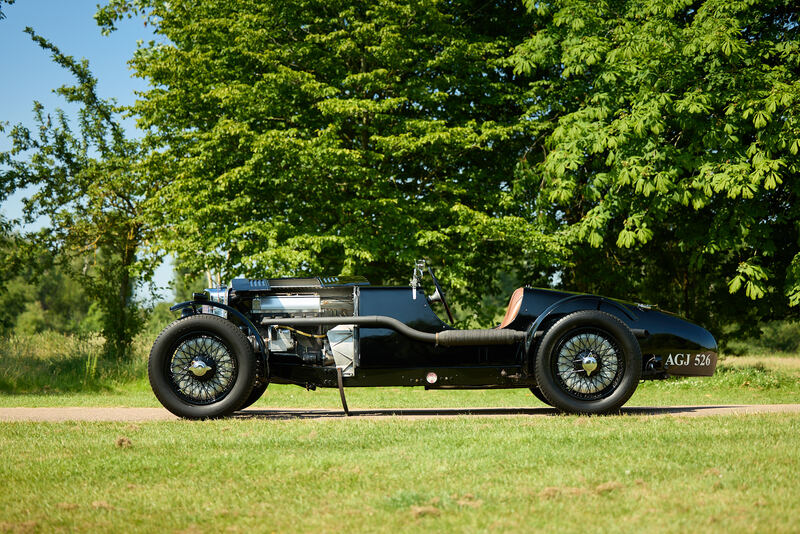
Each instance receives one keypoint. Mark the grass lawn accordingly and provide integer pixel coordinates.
(460, 474)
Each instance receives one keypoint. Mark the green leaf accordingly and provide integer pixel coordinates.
(736, 283)
(760, 119)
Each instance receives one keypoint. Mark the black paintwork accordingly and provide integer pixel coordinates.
(387, 358)
(387, 350)
(666, 333)
(382, 348)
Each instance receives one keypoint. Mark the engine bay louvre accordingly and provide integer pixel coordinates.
(244, 285)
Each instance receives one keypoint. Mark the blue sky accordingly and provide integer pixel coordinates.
(28, 74)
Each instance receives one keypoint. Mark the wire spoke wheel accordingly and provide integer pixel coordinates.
(202, 366)
(202, 369)
(588, 363)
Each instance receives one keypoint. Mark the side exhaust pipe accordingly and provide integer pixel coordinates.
(445, 338)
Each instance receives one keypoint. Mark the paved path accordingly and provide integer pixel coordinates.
(160, 414)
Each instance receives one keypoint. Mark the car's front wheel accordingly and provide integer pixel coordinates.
(202, 366)
(588, 362)
(260, 386)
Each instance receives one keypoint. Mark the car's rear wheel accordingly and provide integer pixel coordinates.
(538, 394)
(588, 362)
(202, 366)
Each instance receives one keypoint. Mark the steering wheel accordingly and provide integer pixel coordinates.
(440, 293)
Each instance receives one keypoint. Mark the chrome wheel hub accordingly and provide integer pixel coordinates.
(199, 368)
(589, 364)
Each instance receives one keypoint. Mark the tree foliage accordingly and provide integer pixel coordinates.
(87, 186)
(667, 149)
(9, 2)
(337, 137)
(656, 141)
(38, 294)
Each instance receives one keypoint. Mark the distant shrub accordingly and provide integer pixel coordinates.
(775, 336)
(158, 319)
(783, 336)
(50, 362)
(32, 320)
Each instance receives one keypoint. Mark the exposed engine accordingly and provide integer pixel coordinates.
(299, 298)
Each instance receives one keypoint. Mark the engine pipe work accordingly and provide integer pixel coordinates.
(445, 338)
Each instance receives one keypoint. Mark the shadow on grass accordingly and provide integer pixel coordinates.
(277, 414)
(402, 412)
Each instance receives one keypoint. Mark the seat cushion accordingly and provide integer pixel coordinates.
(513, 308)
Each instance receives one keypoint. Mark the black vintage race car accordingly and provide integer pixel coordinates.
(579, 353)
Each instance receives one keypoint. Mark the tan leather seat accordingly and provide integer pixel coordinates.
(513, 307)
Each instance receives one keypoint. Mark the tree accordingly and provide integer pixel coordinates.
(186, 284)
(89, 187)
(9, 2)
(38, 294)
(345, 137)
(666, 150)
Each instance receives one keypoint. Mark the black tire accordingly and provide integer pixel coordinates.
(213, 342)
(258, 391)
(568, 351)
(260, 386)
(538, 394)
